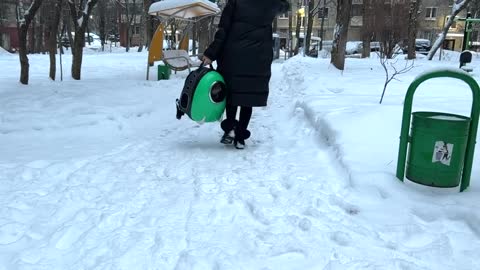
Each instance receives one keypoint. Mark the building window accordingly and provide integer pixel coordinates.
(357, 10)
(323, 12)
(431, 12)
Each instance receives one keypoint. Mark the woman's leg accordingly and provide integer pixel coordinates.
(231, 112)
(229, 124)
(241, 132)
(245, 115)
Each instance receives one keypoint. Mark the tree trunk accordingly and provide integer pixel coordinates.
(69, 33)
(22, 34)
(172, 37)
(412, 28)
(31, 37)
(52, 39)
(367, 29)
(22, 52)
(127, 9)
(340, 34)
(142, 33)
(311, 7)
(322, 25)
(290, 29)
(39, 39)
(456, 9)
(297, 32)
(194, 39)
(148, 22)
(79, 41)
(102, 13)
(77, 52)
(203, 35)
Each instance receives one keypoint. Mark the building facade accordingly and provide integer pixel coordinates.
(433, 15)
(8, 26)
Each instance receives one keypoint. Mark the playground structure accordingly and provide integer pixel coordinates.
(189, 11)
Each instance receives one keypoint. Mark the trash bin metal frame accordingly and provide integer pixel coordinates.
(474, 116)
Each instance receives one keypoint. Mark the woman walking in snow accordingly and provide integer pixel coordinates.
(243, 49)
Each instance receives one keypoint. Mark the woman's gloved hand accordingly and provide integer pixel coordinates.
(206, 60)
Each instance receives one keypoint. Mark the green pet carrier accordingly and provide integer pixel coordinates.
(203, 97)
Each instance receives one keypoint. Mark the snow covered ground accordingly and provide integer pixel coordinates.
(98, 174)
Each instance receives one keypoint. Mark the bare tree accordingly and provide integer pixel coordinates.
(412, 27)
(311, 11)
(102, 13)
(68, 24)
(31, 36)
(297, 31)
(142, 31)
(340, 33)
(55, 7)
(458, 6)
(390, 75)
(80, 16)
(40, 29)
(130, 13)
(392, 30)
(194, 39)
(474, 8)
(315, 10)
(203, 35)
(290, 29)
(23, 22)
(367, 27)
(298, 27)
(127, 25)
(148, 22)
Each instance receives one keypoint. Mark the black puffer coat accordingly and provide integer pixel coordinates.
(243, 49)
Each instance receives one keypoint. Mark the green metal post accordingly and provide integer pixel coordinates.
(475, 114)
(466, 32)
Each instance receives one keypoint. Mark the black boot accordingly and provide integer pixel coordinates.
(228, 127)
(240, 136)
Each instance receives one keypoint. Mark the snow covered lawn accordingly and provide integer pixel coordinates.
(98, 174)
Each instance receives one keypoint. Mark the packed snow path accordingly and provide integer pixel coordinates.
(169, 196)
(179, 201)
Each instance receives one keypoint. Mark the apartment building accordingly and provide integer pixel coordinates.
(434, 14)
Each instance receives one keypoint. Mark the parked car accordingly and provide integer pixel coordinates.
(356, 47)
(375, 46)
(315, 47)
(114, 38)
(422, 46)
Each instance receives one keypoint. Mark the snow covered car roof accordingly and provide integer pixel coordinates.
(185, 9)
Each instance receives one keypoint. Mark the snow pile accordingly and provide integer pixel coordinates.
(4, 52)
(432, 226)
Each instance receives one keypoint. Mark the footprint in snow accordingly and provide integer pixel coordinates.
(336, 90)
(341, 238)
(11, 233)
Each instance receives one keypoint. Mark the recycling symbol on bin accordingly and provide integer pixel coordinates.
(442, 152)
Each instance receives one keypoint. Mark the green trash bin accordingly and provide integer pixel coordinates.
(437, 148)
(164, 72)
